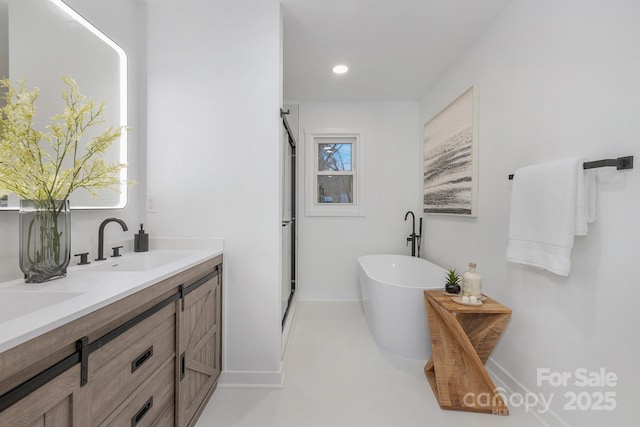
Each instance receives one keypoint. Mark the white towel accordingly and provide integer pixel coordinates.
(585, 200)
(550, 203)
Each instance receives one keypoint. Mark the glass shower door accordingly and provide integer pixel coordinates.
(288, 217)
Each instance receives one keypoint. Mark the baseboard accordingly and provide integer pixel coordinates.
(512, 386)
(252, 379)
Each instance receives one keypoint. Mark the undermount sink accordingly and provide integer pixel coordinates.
(14, 304)
(141, 261)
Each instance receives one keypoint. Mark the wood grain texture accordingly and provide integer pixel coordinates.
(200, 342)
(111, 378)
(159, 386)
(61, 402)
(462, 339)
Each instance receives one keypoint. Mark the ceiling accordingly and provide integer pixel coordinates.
(395, 49)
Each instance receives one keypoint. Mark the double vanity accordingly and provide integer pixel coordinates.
(133, 340)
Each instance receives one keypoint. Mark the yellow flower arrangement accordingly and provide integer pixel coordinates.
(44, 167)
(50, 165)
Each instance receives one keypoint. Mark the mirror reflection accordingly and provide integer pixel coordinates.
(43, 40)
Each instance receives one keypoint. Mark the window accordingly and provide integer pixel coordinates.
(334, 173)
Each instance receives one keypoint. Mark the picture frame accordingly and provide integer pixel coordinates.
(450, 159)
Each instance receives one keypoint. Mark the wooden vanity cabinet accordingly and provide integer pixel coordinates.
(152, 359)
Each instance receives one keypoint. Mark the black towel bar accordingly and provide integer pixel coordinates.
(620, 163)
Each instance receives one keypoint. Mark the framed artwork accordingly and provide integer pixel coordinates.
(450, 160)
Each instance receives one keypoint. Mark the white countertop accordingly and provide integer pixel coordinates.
(32, 309)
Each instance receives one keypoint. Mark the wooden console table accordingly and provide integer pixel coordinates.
(462, 338)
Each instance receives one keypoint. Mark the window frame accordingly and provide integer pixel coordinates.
(315, 137)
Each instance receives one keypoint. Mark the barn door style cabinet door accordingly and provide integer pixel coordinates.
(58, 403)
(199, 342)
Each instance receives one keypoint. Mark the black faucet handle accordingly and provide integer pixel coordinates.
(83, 258)
(116, 251)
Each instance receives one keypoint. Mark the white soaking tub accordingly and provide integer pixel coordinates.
(392, 297)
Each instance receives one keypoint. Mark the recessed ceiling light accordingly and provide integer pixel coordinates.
(340, 69)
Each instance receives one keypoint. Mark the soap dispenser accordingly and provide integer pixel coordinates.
(141, 240)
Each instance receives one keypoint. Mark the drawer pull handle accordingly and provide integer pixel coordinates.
(142, 412)
(140, 360)
(182, 366)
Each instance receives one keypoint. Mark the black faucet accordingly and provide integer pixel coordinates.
(101, 235)
(413, 237)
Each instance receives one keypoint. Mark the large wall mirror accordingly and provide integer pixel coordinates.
(43, 40)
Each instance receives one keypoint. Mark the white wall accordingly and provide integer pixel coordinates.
(214, 158)
(556, 79)
(4, 40)
(329, 246)
(119, 20)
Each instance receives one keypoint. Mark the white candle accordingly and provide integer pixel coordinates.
(465, 299)
(473, 299)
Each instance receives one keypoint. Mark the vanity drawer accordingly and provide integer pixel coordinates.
(151, 404)
(122, 365)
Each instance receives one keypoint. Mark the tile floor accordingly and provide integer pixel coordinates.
(336, 376)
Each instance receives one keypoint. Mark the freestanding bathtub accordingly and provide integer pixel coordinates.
(393, 301)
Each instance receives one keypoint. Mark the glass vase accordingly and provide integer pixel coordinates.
(45, 239)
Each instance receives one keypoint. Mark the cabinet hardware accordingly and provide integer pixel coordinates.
(181, 294)
(142, 412)
(182, 366)
(140, 360)
(184, 290)
(82, 346)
